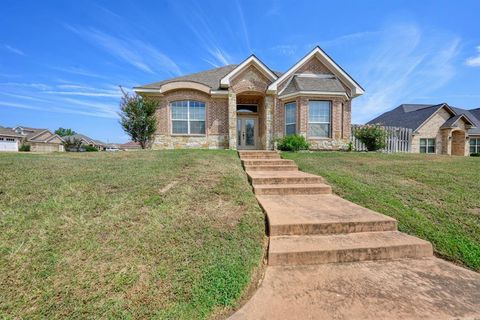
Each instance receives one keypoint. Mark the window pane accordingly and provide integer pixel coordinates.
(423, 149)
(179, 127)
(431, 149)
(472, 149)
(431, 142)
(179, 110)
(290, 129)
(319, 130)
(197, 127)
(319, 111)
(290, 113)
(197, 110)
(423, 142)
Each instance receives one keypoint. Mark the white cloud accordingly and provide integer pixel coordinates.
(474, 61)
(14, 50)
(139, 54)
(404, 63)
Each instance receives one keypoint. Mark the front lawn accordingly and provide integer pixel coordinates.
(436, 198)
(158, 234)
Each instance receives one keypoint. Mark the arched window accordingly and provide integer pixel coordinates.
(188, 117)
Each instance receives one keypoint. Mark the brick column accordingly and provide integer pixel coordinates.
(302, 105)
(269, 106)
(232, 120)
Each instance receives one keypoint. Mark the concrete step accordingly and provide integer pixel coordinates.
(320, 214)
(284, 189)
(287, 167)
(307, 250)
(282, 177)
(269, 162)
(259, 155)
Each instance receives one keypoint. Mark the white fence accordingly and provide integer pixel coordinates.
(398, 140)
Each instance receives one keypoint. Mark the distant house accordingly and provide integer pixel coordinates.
(129, 146)
(86, 141)
(40, 140)
(437, 128)
(9, 140)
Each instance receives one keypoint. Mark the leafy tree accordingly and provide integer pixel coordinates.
(62, 132)
(137, 117)
(373, 136)
(72, 144)
(293, 142)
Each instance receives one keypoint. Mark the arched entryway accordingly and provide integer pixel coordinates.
(458, 143)
(250, 120)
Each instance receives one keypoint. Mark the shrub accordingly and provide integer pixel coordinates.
(25, 148)
(373, 136)
(90, 148)
(293, 142)
(475, 154)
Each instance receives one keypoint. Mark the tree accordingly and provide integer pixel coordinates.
(74, 145)
(137, 117)
(373, 136)
(62, 132)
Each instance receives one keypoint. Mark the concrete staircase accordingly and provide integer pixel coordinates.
(309, 225)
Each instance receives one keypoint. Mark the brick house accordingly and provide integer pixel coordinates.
(438, 129)
(247, 106)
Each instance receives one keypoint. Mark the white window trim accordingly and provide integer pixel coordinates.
(285, 117)
(428, 145)
(188, 120)
(315, 122)
(477, 145)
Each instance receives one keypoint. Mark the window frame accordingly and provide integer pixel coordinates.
(330, 103)
(428, 145)
(476, 146)
(188, 119)
(294, 103)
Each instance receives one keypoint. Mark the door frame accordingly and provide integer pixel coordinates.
(246, 117)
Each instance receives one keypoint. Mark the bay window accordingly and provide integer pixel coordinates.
(319, 119)
(290, 118)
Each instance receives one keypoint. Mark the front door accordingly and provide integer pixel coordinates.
(247, 132)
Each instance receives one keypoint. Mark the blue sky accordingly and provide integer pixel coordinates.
(61, 61)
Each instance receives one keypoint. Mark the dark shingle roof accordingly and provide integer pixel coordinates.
(413, 115)
(80, 136)
(210, 78)
(407, 115)
(8, 132)
(321, 83)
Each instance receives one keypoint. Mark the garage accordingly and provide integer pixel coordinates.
(8, 144)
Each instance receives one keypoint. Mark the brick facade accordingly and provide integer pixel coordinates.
(250, 87)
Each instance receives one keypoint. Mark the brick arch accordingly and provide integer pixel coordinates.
(250, 80)
(458, 142)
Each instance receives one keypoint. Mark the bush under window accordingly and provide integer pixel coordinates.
(293, 142)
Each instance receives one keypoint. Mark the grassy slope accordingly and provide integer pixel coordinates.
(434, 197)
(97, 235)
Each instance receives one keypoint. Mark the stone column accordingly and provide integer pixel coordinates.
(232, 120)
(269, 106)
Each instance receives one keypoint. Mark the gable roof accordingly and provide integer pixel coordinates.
(83, 137)
(413, 116)
(33, 134)
(324, 83)
(252, 60)
(329, 63)
(9, 132)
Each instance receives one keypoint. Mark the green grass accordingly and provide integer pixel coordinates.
(436, 198)
(106, 235)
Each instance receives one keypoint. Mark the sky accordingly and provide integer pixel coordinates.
(62, 62)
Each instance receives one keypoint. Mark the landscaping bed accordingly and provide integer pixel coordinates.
(154, 234)
(436, 198)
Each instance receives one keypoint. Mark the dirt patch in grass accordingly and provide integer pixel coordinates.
(169, 235)
(433, 197)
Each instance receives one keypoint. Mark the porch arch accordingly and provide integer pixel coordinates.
(458, 142)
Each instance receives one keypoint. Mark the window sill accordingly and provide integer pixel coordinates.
(319, 138)
(187, 135)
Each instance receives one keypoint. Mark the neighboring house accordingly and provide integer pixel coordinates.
(9, 140)
(130, 146)
(39, 140)
(86, 141)
(248, 106)
(439, 128)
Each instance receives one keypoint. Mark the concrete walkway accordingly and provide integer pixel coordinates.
(331, 259)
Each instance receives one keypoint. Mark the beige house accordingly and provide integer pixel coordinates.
(247, 106)
(40, 140)
(9, 140)
(438, 129)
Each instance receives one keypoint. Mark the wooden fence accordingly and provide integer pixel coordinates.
(398, 140)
